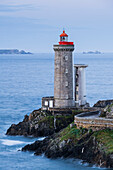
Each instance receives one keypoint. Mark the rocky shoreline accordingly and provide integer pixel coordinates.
(45, 123)
(81, 144)
(64, 139)
(41, 123)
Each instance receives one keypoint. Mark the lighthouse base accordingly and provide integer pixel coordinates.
(58, 103)
(50, 102)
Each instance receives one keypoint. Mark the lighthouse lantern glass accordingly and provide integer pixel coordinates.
(64, 38)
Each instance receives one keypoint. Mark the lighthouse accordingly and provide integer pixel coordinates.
(63, 73)
(65, 95)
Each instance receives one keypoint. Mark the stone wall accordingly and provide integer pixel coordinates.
(63, 76)
(82, 120)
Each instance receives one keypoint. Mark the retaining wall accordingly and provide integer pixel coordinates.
(82, 120)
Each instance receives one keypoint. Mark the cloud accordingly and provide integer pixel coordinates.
(59, 10)
(18, 2)
(25, 10)
(75, 13)
(13, 8)
(41, 20)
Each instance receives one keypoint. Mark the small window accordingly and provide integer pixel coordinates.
(66, 57)
(51, 103)
(66, 83)
(66, 70)
(66, 96)
(46, 103)
(76, 88)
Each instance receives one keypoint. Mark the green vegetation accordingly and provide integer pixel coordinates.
(103, 114)
(49, 119)
(105, 138)
(75, 112)
(72, 133)
(62, 120)
(109, 107)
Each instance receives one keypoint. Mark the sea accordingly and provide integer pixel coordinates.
(24, 80)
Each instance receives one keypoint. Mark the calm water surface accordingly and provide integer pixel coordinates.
(24, 79)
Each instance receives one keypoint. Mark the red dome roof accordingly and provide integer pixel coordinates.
(63, 34)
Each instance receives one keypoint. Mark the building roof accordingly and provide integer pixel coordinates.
(63, 34)
(80, 65)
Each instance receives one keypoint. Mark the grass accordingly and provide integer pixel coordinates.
(72, 133)
(105, 137)
(62, 120)
(109, 107)
(75, 112)
(49, 119)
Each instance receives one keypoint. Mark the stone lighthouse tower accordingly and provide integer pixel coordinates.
(63, 73)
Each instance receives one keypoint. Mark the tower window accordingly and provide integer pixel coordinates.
(66, 57)
(66, 96)
(66, 70)
(64, 38)
(66, 83)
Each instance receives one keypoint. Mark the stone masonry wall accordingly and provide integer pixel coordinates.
(63, 76)
(94, 123)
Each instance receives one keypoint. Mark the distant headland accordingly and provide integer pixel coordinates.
(13, 51)
(92, 52)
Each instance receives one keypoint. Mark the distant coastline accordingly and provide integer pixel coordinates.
(13, 51)
(92, 52)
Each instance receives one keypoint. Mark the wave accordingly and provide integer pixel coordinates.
(11, 142)
(41, 138)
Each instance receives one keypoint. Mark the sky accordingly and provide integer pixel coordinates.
(35, 25)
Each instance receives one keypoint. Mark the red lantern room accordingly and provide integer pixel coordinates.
(64, 39)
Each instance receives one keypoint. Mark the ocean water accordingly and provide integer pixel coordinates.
(24, 80)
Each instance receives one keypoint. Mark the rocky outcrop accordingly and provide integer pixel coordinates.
(103, 103)
(109, 111)
(40, 123)
(13, 51)
(106, 107)
(93, 147)
(75, 143)
(45, 123)
(38, 146)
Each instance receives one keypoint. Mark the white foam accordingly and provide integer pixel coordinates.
(41, 138)
(11, 142)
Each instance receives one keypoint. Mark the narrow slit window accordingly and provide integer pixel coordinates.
(66, 83)
(66, 70)
(66, 57)
(67, 96)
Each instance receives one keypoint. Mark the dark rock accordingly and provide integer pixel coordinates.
(21, 128)
(26, 118)
(103, 103)
(40, 123)
(86, 148)
(38, 146)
